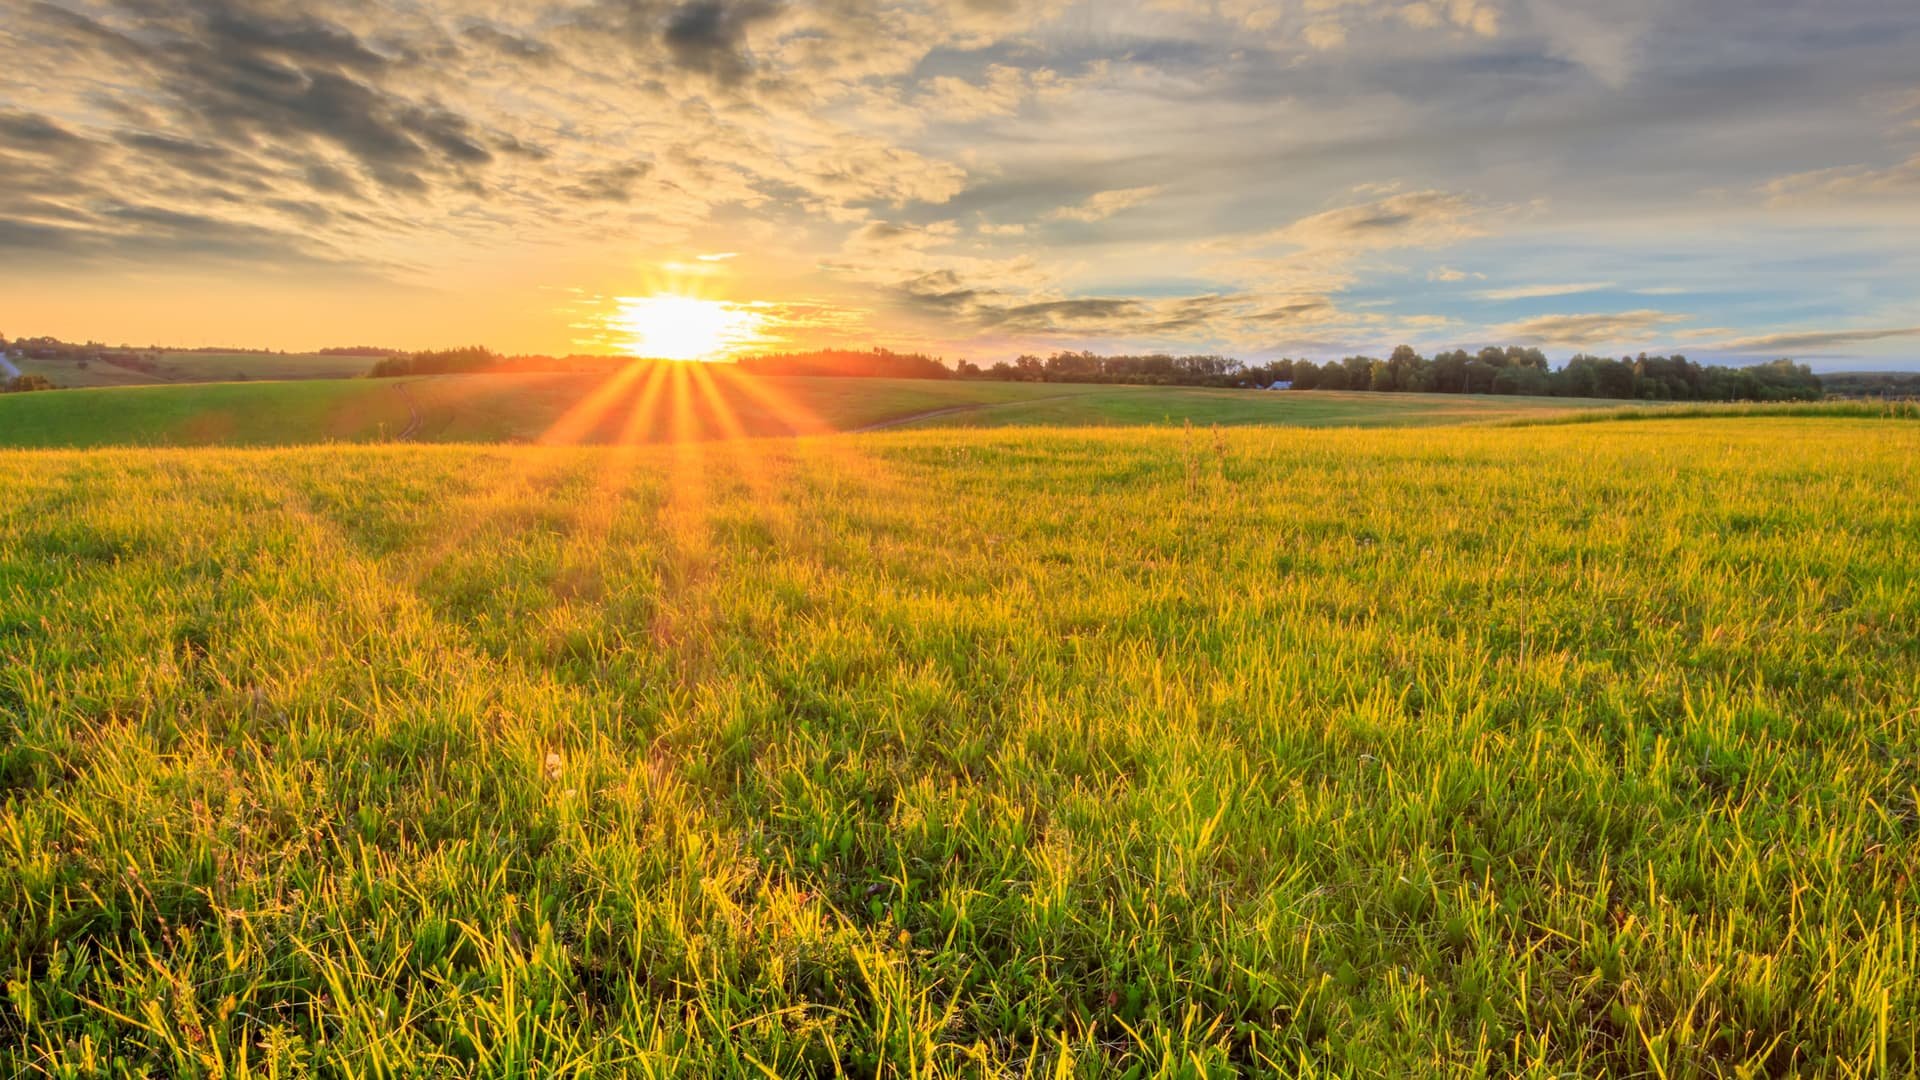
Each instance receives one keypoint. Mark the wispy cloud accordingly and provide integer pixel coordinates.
(1806, 340)
(1584, 331)
(1412, 219)
(1105, 204)
(1532, 292)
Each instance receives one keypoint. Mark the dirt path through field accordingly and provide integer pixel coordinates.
(413, 418)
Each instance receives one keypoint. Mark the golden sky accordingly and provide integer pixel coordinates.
(969, 177)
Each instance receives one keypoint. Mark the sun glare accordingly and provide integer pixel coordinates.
(673, 327)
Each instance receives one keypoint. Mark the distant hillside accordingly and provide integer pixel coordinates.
(675, 402)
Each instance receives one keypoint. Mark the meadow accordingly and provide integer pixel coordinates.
(678, 402)
(195, 367)
(1588, 749)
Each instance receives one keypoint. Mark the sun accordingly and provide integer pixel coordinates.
(668, 326)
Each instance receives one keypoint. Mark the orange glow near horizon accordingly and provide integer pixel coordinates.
(670, 326)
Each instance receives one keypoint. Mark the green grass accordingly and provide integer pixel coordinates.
(1135, 406)
(680, 403)
(233, 414)
(1587, 750)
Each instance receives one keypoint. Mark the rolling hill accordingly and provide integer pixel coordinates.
(674, 402)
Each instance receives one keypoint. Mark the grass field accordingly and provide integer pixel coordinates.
(1130, 406)
(1577, 750)
(193, 367)
(675, 403)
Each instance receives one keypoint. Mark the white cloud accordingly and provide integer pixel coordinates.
(1413, 219)
(1583, 331)
(1105, 204)
(1848, 182)
(1531, 292)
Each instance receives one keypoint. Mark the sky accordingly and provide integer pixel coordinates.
(1732, 179)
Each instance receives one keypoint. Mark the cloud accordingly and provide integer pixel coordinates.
(1411, 219)
(1848, 182)
(999, 94)
(1105, 204)
(1054, 315)
(615, 183)
(856, 169)
(1804, 340)
(1324, 34)
(710, 36)
(1532, 292)
(880, 237)
(1583, 331)
(825, 137)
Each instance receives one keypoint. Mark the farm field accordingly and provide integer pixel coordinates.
(673, 403)
(1126, 407)
(197, 367)
(1569, 750)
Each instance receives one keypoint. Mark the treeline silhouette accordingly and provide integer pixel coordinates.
(1514, 370)
(473, 359)
(1153, 369)
(1492, 370)
(871, 363)
(368, 351)
(1872, 384)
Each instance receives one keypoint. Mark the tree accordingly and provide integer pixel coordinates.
(21, 384)
(1407, 370)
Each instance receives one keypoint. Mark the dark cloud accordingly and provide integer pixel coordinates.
(612, 184)
(1050, 315)
(1815, 339)
(941, 291)
(328, 180)
(36, 134)
(141, 234)
(509, 44)
(709, 36)
(1297, 311)
(241, 75)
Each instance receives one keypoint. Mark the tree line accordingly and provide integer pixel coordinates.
(478, 359)
(1872, 384)
(1515, 370)
(1492, 370)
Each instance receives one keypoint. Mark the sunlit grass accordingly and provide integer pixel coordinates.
(570, 408)
(1580, 750)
